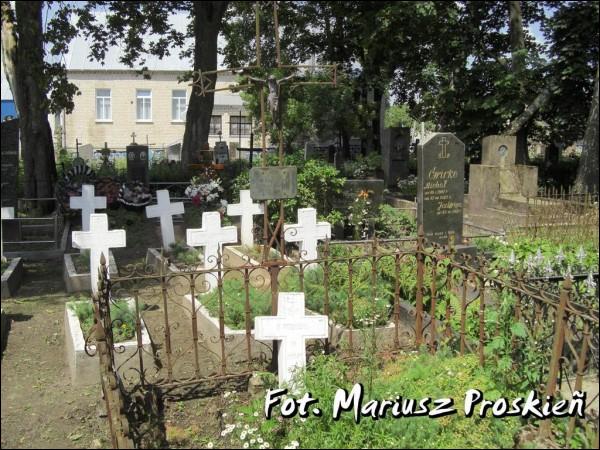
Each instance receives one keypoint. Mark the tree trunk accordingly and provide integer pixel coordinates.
(26, 76)
(207, 23)
(587, 173)
(517, 48)
(522, 119)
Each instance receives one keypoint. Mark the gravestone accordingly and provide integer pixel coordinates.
(221, 152)
(99, 241)
(211, 236)
(247, 210)
(165, 210)
(355, 146)
(86, 152)
(307, 232)
(440, 192)
(498, 182)
(292, 327)
(87, 203)
(396, 155)
(9, 149)
(174, 152)
(309, 150)
(137, 162)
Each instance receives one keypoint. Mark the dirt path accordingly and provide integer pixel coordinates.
(40, 409)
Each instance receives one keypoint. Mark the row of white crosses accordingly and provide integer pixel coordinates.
(291, 326)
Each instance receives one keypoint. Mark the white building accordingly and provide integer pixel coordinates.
(116, 101)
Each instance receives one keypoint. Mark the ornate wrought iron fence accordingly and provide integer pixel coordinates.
(392, 295)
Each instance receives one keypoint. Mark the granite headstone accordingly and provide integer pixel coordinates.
(440, 196)
(137, 163)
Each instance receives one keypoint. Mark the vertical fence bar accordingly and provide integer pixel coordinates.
(194, 325)
(463, 313)
(221, 316)
(419, 295)
(580, 372)
(168, 350)
(481, 321)
(350, 306)
(432, 311)
(138, 335)
(397, 301)
(248, 318)
(326, 287)
(560, 324)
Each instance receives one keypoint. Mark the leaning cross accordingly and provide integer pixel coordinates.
(292, 327)
(212, 237)
(444, 144)
(307, 231)
(99, 240)
(8, 212)
(247, 210)
(165, 210)
(87, 203)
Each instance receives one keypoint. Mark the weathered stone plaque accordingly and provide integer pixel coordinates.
(272, 183)
(137, 163)
(10, 161)
(440, 196)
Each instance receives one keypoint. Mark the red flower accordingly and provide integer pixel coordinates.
(196, 200)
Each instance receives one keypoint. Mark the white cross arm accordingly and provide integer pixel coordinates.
(277, 328)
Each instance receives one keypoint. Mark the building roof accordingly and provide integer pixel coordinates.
(78, 56)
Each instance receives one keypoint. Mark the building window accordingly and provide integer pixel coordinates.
(215, 125)
(144, 105)
(103, 110)
(240, 125)
(179, 106)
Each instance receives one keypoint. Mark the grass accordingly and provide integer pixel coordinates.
(409, 376)
(121, 313)
(180, 254)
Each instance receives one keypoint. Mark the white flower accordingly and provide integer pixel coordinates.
(259, 440)
(246, 445)
(255, 413)
(243, 435)
(210, 445)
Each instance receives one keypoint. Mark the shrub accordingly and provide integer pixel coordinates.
(392, 223)
(121, 313)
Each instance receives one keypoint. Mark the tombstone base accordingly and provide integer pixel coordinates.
(12, 278)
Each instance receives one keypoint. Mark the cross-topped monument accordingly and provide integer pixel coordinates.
(165, 210)
(212, 237)
(292, 327)
(99, 241)
(307, 231)
(88, 204)
(247, 210)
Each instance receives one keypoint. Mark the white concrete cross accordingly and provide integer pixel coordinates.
(8, 212)
(165, 210)
(292, 327)
(99, 240)
(307, 231)
(87, 203)
(247, 210)
(212, 237)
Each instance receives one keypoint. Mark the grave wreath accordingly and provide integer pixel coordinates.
(135, 195)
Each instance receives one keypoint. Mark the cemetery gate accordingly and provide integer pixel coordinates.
(380, 295)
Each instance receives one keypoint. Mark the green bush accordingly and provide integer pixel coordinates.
(392, 223)
(121, 313)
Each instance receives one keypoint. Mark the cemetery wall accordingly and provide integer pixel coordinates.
(162, 130)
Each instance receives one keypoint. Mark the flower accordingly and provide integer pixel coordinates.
(210, 445)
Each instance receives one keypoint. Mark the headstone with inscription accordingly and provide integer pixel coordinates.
(137, 162)
(440, 195)
(10, 161)
(274, 182)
